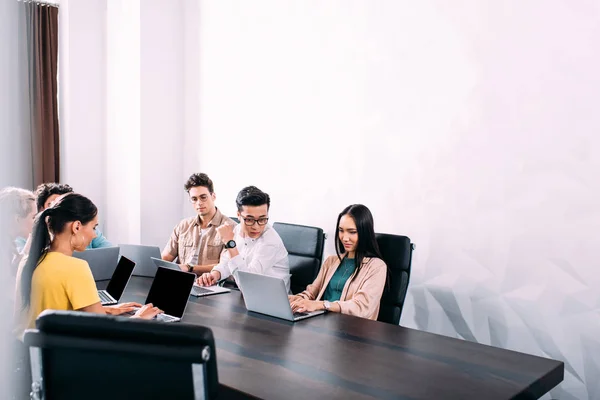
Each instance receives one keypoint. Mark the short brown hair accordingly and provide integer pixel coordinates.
(200, 179)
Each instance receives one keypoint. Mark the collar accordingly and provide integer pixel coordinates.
(215, 221)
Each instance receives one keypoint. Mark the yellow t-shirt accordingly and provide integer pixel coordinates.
(59, 282)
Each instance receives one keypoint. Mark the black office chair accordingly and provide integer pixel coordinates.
(236, 219)
(79, 355)
(397, 253)
(304, 245)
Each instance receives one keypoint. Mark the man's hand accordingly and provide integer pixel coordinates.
(225, 232)
(209, 278)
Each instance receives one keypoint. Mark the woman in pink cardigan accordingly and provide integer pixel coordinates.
(352, 281)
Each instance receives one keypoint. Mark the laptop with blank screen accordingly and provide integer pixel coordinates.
(170, 291)
(102, 261)
(267, 295)
(118, 282)
(141, 255)
(197, 290)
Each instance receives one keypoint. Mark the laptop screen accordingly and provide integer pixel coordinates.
(170, 291)
(120, 277)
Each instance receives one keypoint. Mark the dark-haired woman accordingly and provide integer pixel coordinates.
(51, 278)
(352, 281)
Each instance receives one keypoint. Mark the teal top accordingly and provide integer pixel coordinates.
(334, 289)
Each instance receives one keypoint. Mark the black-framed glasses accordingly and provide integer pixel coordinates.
(252, 221)
(202, 198)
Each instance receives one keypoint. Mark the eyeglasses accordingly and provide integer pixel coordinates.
(203, 198)
(252, 221)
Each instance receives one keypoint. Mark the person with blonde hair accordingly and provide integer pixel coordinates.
(17, 212)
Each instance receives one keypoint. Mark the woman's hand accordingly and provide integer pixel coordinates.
(147, 312)
(303, 305)
(294, 297)
(122, 308)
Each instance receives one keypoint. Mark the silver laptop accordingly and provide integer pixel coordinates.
(197, 290)
(268, 295)
(141, 256)
(118, 282)
(170, 291)
(102, 261)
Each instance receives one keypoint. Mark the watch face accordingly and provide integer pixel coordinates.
(231, 244)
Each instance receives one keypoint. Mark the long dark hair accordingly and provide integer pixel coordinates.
(72, 207)
(367, 243)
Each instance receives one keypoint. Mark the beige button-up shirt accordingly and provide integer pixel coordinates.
(190, 245)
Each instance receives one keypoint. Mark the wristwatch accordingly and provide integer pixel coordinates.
(326, 305)
(190, 267)
(230, 244)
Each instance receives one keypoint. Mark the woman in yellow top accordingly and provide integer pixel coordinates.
(352, 281)
(52, 278)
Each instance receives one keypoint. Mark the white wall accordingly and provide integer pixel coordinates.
(122, 113)
(162, 118)
(470, 127)
(82, 98)
(15, 136)
(12, 170)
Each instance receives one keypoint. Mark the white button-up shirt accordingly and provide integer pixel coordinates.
(264, 255)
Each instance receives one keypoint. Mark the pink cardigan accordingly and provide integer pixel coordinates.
(361, 296)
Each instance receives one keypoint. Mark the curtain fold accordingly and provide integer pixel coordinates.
(42, 52)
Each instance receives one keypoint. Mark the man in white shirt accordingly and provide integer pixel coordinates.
(251, 246)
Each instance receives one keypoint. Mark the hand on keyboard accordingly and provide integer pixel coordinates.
(304, 305)
(122, 308)
(147, 312)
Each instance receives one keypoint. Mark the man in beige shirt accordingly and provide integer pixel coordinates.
(195, 241)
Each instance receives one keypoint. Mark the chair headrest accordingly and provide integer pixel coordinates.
(74, 323)
(396, 250)
(301, 240)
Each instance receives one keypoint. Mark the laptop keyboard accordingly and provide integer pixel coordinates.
(105, 298)
(198, 291)
(300, 314)
(166, 318)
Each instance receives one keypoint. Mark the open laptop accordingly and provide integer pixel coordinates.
(197, 290)
(141, 255)
(118, 282)
(268, 295)
(170, 291)
(102, 261)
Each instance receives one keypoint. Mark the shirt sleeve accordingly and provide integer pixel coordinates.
(100, 241)
(81, 287)
(172, 246)
(265, 257)
(223, 265)
(368, 295)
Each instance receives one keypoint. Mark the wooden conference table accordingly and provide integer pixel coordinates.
(338, 356)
